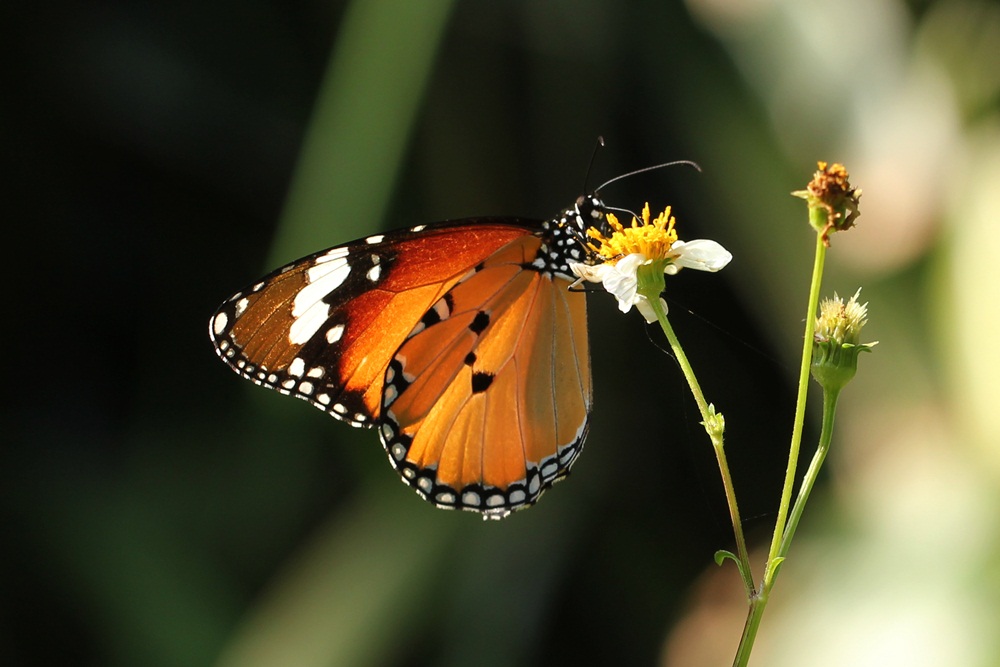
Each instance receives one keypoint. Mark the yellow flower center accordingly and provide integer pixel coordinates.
(653, 239)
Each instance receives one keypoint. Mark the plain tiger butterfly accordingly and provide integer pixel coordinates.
(460, 342)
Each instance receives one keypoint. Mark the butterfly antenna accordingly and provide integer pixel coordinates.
(593, 158)
(623, 210)
(689, 163)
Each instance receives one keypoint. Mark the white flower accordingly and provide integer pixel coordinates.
(647, 243)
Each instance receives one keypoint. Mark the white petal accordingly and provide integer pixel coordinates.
(701, 254)
(631, 263)
(645, 308)
(591, 272)
(620, 280)
(625, 292)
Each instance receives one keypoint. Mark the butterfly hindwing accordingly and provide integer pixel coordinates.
(487, 406)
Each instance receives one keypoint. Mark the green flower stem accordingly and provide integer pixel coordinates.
(825, 436)
(779, 545)
(711, 422)
(800, 414)
(759, 602)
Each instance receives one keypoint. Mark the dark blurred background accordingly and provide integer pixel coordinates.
(158, 511)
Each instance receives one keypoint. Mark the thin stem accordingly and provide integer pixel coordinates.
(754, 615)
(825, 436)
(709, 418)
(758, 604)
(778, 546)
(800, 413)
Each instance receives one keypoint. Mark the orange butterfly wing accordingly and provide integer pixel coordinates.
(486, 404)
(325, 327)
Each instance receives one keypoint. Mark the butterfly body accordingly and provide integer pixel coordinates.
(460, 342)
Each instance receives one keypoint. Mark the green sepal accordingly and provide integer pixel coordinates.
(721, 555)
(650, 282)
(835, 364)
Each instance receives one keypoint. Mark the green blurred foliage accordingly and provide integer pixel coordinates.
(158, 512)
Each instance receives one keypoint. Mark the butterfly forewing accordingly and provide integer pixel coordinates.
(325, 327)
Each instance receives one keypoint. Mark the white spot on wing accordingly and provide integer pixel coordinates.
(375, 239)
(297, 367)
(219, 323)
(374, 273)
(323, 279)
(336, 253)
(308, 323)
(334, 333)
(336, 267)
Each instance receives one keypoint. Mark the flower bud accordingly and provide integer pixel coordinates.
(833, 201)
(836, 342)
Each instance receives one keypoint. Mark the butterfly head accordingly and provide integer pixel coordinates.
(565, 239)
(590, 211)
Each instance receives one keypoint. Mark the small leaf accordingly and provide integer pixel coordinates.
(721, 555)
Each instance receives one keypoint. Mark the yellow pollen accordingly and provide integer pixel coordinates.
(653, 239)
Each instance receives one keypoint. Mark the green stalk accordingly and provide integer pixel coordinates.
(800, 412)
(759, 602)
(779, 546)
(825, 436)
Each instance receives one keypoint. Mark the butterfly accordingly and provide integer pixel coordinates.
(461, 342)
